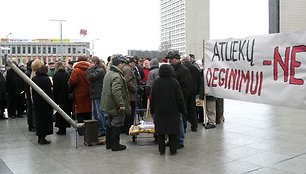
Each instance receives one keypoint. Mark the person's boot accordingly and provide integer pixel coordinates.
(116, 146)
(42, 140)
(61, 131)
(108, 137)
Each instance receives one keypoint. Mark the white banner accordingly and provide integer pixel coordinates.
(268, 69)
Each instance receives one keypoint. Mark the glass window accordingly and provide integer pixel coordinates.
(73, 50)
(54, 50)
(13, 50)
(69, 50)
(44, 50)
(49, 50)
(34, 49)
(23, 50)
(29, 49)
(18, 50)
(38, 49)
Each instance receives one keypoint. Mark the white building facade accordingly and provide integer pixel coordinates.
(23, 50)
(184, 26)
(292, 15)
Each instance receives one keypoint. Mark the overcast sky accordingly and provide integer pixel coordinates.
(122, 24)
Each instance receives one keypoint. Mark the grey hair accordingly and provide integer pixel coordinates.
(185, 57)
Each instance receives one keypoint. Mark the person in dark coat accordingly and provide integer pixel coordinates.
(195, 87)
(167, 103)
(95, 74)
(43, 111)
(30, 116)
(2, 96)
(131, 80)
(61, 96)
(183, 76)
(15, 91)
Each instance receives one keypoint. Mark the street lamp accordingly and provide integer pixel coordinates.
(61, 33)
(93, 45)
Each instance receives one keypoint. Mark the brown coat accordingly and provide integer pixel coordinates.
(81, 88)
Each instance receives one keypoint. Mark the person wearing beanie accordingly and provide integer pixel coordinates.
(115, 102)
(183, 76)
(132, 85)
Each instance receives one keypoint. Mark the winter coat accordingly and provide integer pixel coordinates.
(27, 88)
(167, 102)
(43, 111)
(14, 84)
(153, 74)
(131, 82)
(95, 75)
(195, 77)
(81, 88)
(61, 97)
(2, 87)
(115, 93)
(182, 75)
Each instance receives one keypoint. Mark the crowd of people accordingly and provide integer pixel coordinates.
(111, 93)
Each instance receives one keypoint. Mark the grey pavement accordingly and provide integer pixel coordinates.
(255, 139)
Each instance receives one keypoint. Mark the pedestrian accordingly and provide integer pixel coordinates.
(153, 75)
(43, 110)
(51, 70)
(131, 80)
(183, 76)
(3, 96)
(195, 87)
(81, 91)
(30, 113)
(61, 96)
(167, 105)
(15, 91)
(95, 74)
(115, 102)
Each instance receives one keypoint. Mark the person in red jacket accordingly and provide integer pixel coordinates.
(81, 90)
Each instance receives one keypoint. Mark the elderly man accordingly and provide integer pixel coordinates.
(195, 87)
(115, 102)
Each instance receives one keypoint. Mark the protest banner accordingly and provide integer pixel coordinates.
(268, 69)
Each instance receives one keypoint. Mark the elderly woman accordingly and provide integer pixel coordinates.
(61, 96)
(43, 111)
(81, 90)
(167, 103)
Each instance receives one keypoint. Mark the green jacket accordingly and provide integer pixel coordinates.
(115, 94)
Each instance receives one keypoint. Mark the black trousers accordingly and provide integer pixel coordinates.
(162, 145)
(129, 119)
(15, 106)
(191, 112)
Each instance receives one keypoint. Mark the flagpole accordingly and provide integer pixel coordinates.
(61, 34)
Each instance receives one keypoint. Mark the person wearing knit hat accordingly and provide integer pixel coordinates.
(117, 104)
(117, 59)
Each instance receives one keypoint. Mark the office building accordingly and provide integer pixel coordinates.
(184, 25)
(23, 50)
(292, 15)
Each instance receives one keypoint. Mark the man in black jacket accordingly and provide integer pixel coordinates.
(182, 74)
(195, 87)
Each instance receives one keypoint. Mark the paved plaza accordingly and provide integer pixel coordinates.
(255, 139)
